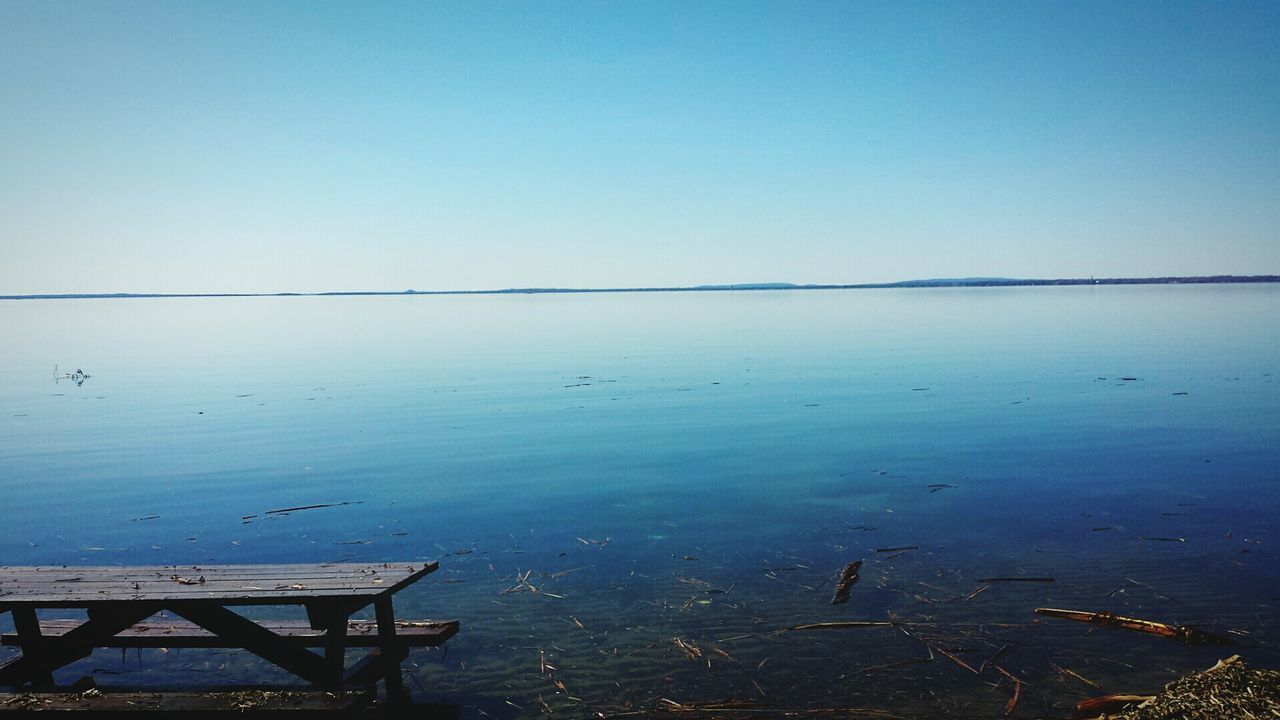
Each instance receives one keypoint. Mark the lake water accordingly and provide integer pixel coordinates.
(683, 465)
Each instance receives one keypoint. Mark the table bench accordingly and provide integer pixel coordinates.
(124, 606)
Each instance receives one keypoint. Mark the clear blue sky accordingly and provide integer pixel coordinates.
(267, 146)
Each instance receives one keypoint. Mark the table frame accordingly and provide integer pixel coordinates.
(329, 610)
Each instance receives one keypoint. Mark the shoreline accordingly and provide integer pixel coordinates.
(905, 284)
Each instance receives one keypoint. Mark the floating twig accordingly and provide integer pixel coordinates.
(955, 659)
(1013, 701)
(895, 665)
(841, 625)
(748, 708)
(692, 651)
(1017, 579)
(977, 592)
(317, 506)
(1072, 673)
(1004, 650)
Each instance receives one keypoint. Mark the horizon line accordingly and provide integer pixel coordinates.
(774, 286)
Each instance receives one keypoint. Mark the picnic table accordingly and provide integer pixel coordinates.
(121, 603)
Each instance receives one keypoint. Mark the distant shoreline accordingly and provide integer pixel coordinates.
(936, 283)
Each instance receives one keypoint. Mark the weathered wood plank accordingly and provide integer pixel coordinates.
(119, 575)
(176, 633)
(215, 567)
(258, 640)
(74, 587)
(124, 578)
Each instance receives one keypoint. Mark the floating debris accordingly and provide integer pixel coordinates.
(842, 625)
(953, 658)
(848, 577)
(1016, 579)
(300, 508)
(749, 708)
(1163, 539)
(1187, 634)
(689, 649)
(1072, 673)
(1003, 651)
(78, 377)
(1017, 690)
(1107, 704)
(897, 549)
(895, 665)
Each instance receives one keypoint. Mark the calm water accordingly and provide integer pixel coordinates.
(693, 466)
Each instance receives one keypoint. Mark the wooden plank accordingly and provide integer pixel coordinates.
(215, 567)
(109, 574)
(282, 596)
(73, 587)
(256, 639)
(194, 584)
(177, 633)
(128, 578)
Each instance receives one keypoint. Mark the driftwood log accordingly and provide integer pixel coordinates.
(1187, 634)
(848, 577)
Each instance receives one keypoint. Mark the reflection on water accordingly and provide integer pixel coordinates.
(640, 491)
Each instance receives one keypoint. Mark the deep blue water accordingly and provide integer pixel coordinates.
(637, 451)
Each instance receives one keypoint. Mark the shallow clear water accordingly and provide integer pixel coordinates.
(642, 453)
